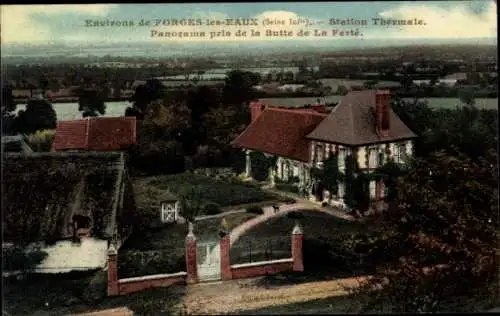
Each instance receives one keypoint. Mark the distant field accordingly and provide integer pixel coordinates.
(69, 111)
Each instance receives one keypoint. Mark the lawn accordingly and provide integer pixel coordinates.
(63, 295)
(161, 250)
(224, 193)
(328, 250)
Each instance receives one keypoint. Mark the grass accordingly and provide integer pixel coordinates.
(30, 298)
(225, 193)
(39, 292)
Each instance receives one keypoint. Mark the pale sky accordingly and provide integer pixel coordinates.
(42, 24)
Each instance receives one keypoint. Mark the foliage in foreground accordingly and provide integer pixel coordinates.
(438, 240)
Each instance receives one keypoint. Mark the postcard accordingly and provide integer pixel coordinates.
(221, 158)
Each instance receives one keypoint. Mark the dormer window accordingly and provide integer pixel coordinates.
(81, 226)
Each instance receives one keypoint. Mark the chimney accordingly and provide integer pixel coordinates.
(256, 108)
(382, 112)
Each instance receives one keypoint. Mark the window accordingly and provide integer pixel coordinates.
(381, 161)
(341, 158)
(341, 190)
(319, 153)
(372, 189)
(400, 153)
(372, 163)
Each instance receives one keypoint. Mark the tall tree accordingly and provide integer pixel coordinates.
(91, 102)
(238, 87)
(143, 96)
(8, 108)
(437, 242)
(39, 115)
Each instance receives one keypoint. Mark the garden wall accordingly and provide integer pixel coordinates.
(123, 286)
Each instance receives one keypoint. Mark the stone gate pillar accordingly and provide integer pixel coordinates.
(297, 241)
(191, 261)
(112, 271)
(225, 257)
(248, 164)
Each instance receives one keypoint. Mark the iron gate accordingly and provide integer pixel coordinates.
(209, 263)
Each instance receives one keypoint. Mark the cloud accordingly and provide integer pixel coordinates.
(227, 33)
(19, 26)
(457, 22)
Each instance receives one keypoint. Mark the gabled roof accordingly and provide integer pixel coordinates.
(352, 122)
(280, 132)
(95, 134)
(42, 191)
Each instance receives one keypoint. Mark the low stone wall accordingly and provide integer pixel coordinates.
(250, 270)
(131, 285)
(118, 286)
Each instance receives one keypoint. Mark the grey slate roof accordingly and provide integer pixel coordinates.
(352, 122)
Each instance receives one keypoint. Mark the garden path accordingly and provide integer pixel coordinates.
(269, 213)
(249, 294)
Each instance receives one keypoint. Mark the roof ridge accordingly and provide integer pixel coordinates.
(300, 111)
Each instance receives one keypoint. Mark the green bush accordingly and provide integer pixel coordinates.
(295, 215)
(287, 187)
(212, 209)
(141, 263)
(20, 258)
(97, 288)
(255, 210)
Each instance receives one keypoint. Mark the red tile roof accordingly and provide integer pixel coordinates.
(95, 134)
(281, 132)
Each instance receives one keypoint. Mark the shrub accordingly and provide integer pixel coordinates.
(255, 210)
(41, 140)
(96, 290)
(212, 208)
(20, 258)
(141, 263)
(295, 215)
(287, 187)
(324, 204)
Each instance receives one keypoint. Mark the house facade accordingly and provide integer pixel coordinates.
(362, 127)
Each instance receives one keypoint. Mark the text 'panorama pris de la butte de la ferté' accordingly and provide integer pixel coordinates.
(277, 27)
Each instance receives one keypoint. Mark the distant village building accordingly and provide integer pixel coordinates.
(95, 134)
(362, 126)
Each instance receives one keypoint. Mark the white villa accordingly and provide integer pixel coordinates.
(363, 124)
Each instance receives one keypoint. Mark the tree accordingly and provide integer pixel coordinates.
(351, 173)
(342, 90)
(91, 102)
(390, 172)
(143, 96)
(221, 125)
(238, 87)
(330, 175)
(438, 240)
(467, 97)
(8, 108)
(39, 115)
(21, 258)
